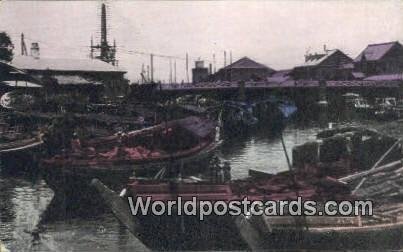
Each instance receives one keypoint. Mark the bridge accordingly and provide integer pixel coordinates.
(305, 93)
(253, 85)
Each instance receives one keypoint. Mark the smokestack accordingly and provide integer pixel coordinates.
(210, 69)
(23, 47)
(103, 25)
(225, 58)
(35, 50)
(104, 41)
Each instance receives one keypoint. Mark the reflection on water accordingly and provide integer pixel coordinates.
(24, 225)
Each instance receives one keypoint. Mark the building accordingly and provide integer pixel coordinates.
(200, 73)
(243, 69)
(70, 71)
(12, 78)
(330, 65)
(86, 76)
(378, 59)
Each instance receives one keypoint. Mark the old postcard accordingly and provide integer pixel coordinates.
(201, 125)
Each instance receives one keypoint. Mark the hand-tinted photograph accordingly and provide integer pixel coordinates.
(201, 125)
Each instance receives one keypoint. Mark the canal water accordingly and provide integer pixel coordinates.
(26, 222)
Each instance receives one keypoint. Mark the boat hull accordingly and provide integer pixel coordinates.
(72, 183)
(173, 232)
(382, 236)
(21, 158)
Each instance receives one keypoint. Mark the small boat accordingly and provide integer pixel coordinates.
(383, 230)
(310, 179)
(357, 103)
(19, 145)
(238, 115)
(114, 158)
(387, 108)
(272, 111)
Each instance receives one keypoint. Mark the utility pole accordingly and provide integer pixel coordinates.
(187, 67)
(92, 48)
(23, 46)
(152, 67)
(175, 69)
(148, 73)
(170, 70)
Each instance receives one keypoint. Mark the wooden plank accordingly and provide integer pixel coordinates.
(354, 177)
(120, 209)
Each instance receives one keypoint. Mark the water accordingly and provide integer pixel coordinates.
(25, 202)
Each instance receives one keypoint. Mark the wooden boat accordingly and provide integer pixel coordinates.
(188, 232)
(114, 158)
(240, 116)
(382, 230)
(161, 143)
(19, 145)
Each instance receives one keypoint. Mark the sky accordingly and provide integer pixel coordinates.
(275, 33)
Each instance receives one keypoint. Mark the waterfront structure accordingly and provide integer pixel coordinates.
(380, 59)
(244, 69)
(70, 71)
(330, 65)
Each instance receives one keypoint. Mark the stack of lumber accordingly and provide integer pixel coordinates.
(380, 183)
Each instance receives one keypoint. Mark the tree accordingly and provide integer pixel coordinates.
(6, 47)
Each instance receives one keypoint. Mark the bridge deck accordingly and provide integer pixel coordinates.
(225, 85)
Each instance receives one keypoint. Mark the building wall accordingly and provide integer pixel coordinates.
(332, 68)
(390, 63)
(242, 74)
(114, 83)
(200, 74)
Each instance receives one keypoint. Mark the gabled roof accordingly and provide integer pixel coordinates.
(376, 51)
(246, 62)
(82, 65)
(316, 59)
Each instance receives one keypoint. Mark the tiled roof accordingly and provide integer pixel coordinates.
(375, 51)
(85, 65)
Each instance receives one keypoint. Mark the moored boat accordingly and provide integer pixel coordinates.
(20, 145)
(309, 180)
(114, 158)
(238, 116)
